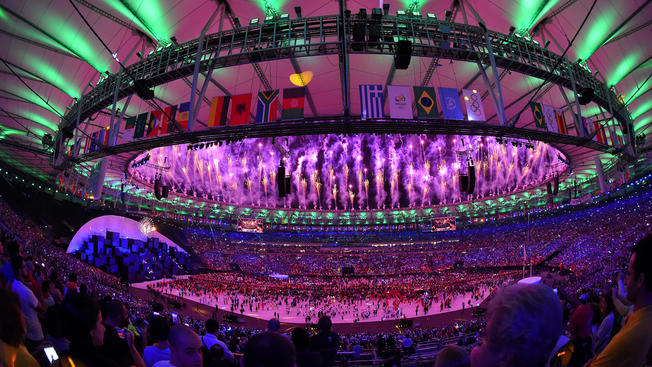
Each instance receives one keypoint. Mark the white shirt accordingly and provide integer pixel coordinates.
(28, 304)
(210, 340)
(153, 354)
(603, 335)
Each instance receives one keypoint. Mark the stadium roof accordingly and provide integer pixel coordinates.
(51, 55)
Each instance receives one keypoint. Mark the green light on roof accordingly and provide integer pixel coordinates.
(642, 123)
(51, 75)
(271, 7)
(625, 66)
(30, 97)
(596, 33)
(641, 109)
(148, 15)
(636, 92)
(38, 119)
(529, 12)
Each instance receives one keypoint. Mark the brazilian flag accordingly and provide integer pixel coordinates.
(425, 102)
(537, 114)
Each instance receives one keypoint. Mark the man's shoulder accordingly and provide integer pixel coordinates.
(163, 364)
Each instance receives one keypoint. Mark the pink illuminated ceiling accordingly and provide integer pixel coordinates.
(53, 51)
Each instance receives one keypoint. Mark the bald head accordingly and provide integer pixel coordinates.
(185, 347)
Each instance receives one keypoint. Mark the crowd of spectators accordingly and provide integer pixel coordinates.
(571, 239)
(601, 316)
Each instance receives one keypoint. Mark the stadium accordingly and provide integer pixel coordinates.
(294, 183)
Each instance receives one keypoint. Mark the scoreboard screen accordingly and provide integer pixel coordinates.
(442, 224)
(252, 225)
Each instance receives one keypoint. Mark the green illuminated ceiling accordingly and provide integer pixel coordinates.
(625, 66)
(150, 16)
(64, 35)
(642, 108)
(597, 29)
(529, 12)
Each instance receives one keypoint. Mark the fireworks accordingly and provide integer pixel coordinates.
(356, 172)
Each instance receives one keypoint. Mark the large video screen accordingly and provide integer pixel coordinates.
(250, 225)
(442, 224)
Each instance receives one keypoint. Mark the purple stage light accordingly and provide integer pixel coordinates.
(332, 172)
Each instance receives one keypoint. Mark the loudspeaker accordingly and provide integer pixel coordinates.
(464, 183)
(280, 181)
(585, 95)
(549, 187)
(288, 185)
(403, 54)
(67, 132)
(471, 179)
(358, 36)
(157, 189)
(165, 190)
(142, 90)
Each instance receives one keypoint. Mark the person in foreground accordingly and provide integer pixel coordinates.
(185, 348)
(631, 346)
(269, 349)
(523, 326)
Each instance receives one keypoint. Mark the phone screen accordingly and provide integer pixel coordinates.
(51, 354)
(175, 318)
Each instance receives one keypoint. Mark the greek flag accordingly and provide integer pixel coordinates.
(371, 101)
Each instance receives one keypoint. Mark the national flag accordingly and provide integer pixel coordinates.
(105, 136)
(93, 146)
(86, 144)
(371, 101)
(62, 181)
(600, 136)
(267, 105)
(128, 130)
(170, 113)
(219, 110)
(240, 109)
(141, 122)
(549, 117)
(587, 125)
(474, 107)
(76, 147)
(400, 101)
(114, 132)
(450, 103)
(561, 121)
(537, 114)
(613, 135)
(293, 99)
(183, 114)
(101, 137)
(425, 102)
(155, 122)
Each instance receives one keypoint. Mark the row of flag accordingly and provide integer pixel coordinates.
(401, 106)
(553, 119)
(175, 118)
(399, 98)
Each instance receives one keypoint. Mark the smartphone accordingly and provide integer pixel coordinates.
(175, 318)
(121, 333)
(51, 354)
(156, 313)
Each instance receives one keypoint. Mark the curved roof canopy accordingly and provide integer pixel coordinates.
(54, 51)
